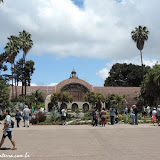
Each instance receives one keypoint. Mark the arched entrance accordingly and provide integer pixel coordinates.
(50, 107)
(99, 106)
(77, 91)
(63, 105)
(74, 107)
(85, 107)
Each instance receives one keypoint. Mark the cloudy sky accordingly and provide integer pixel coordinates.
(89, 35)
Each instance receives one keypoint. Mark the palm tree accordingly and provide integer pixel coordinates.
(1, 1)
(139, 36)
(25, 44)
(11, 51)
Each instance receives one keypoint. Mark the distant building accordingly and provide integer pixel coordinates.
(78, 88)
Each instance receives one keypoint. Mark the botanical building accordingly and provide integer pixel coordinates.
(78, 88)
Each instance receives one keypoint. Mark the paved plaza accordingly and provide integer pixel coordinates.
(118, 142)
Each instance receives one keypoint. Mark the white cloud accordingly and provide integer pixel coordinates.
(104, 72)
(100, 30)
(34, 84)
(53, 84)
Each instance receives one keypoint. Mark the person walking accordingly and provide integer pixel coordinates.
(0, 113)
(133, 117)
(116, 113)
(136, 114)
(96, 118)
(18, 117)
(112, 113)
(103, 117)
(64, 113)
(154, 113)
(26, 113)
(7, 130)
(158, 115)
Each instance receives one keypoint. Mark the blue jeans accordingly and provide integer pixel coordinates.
(26, 118)
(136, 119)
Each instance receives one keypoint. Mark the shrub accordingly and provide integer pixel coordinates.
(39, 117)
(87, 115)
(54, 117)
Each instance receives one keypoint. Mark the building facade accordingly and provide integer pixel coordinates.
(78, 88)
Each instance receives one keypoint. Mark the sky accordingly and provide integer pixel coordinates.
(87, 35)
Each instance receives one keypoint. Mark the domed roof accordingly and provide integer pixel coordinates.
(73, 72)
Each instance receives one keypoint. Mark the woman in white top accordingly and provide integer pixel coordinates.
(154, 113)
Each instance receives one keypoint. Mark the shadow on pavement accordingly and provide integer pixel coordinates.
(4, 148)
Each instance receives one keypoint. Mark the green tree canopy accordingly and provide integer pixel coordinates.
(34, 98)
(125, 75)
(4, 93)
(151, 92)
(94, 98)
(28, 71)
(139, 36)
(63, 97)
(2, 61)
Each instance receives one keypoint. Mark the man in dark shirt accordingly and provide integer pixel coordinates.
(112, 113)
(136, 114)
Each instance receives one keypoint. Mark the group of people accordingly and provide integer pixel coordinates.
(101, 116)
(134, 115)
(8, 124)
(25, 115)
(7, 129)
(96, 114)
(156, 115)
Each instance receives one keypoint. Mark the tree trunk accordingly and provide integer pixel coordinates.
(15, 88)
(141, 57)
(142, 73)
(12, 81)
(23, 73)
(25, 78)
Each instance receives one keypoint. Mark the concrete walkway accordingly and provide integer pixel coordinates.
(118, 142)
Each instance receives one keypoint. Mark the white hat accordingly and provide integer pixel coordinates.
(26, 106)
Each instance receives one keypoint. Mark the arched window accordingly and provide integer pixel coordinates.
(50, 107)
(74, 107)
(85, 107)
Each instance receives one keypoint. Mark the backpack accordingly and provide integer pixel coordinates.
(12, 124)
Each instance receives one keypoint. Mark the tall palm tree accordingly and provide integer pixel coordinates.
(139, 36)
(25, 44)
(11, 51)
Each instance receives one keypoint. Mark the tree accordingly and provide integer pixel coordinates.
(94, 98)
(139, 36)
(125, 75)
(2, 60)
(23, 75)
(28, 71)
(151, 90)
(18, 72)
(37, 97)
(91, 98)
(63, 97)
(4, 93)
(11, 51)
(25, 43)
(54, 99)
(1, 1)
(115, 100)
